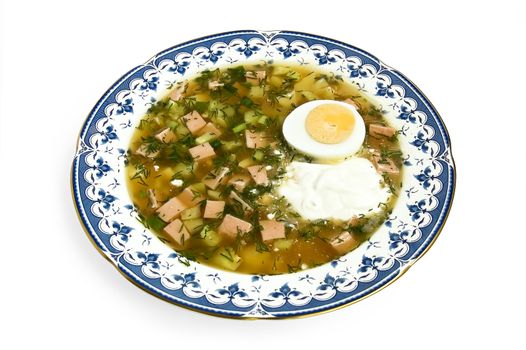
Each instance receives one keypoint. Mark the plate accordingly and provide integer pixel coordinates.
(110, 219)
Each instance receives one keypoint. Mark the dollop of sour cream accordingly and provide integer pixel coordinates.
(338, 191)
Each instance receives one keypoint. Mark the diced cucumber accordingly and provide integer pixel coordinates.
(258, 155)
(193, 225)
(191, 213)
(293, 75)
(227, 259)
(239, 128)
(205, 138)
(215, 195)
(210, 237)
(183, 171)
(199, 187)
(172, 124)
(181, 131)
(176, 109)
(263, 120)
(215, 105)
(220, 121)
(229, 146)
(229, 111)
(245, 163)
(251, 117)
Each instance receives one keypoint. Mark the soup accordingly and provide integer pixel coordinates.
(213, 173)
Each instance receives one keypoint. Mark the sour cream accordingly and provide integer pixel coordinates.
(340, 191)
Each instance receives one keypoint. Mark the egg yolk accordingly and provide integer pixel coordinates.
(330, 123)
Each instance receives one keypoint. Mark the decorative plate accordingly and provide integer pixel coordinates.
(109, 217)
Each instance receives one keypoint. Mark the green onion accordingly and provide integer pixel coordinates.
(239, 128)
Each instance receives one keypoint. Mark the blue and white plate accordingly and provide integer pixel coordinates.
(110, 219)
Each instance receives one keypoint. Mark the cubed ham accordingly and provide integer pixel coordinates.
(272, 229)
(171, 209)
(239, 182)
(177, 231)
(143, 151)
(214, 209)
(380, 130)
(389, 167)
(211, 129)
(194, 122)
(216, 177)
(190, 197)
(255, 76)
(384, 165)
(344, 242)
(354, 221)
(201, 152)
(352, 103)
(154, 203)
(177, 93)
(237, 199)
(257, 139)
(232, 225)
(166, 136)
(259, 174)
(213, 85)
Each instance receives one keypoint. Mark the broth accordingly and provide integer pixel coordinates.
(234, 101)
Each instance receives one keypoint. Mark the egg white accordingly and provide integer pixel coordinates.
(297, 136)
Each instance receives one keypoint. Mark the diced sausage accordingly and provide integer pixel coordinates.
(272, 229)
(344, 242)
(380, 130)
(194, 122)
(212, 85)
(143, 151)
(154, 204)
(215, 178)
(177, 231)
(190, 197)
(239, 182)
(209, 128)
(255, 76)
(389, 167)
(384, 166)
(259, 174)
(177, 93)
(236, 198)
(352, 103)
(232, 225)
(354, 221)
(171, 209)
(214, 209)
(166, 136)
(257, 139)
(201, 152)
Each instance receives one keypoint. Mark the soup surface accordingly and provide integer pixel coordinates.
(206, 163)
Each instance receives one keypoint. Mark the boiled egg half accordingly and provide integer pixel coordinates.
(325, 129)
(337, 184)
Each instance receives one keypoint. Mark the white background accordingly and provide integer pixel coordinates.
(57, 58)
